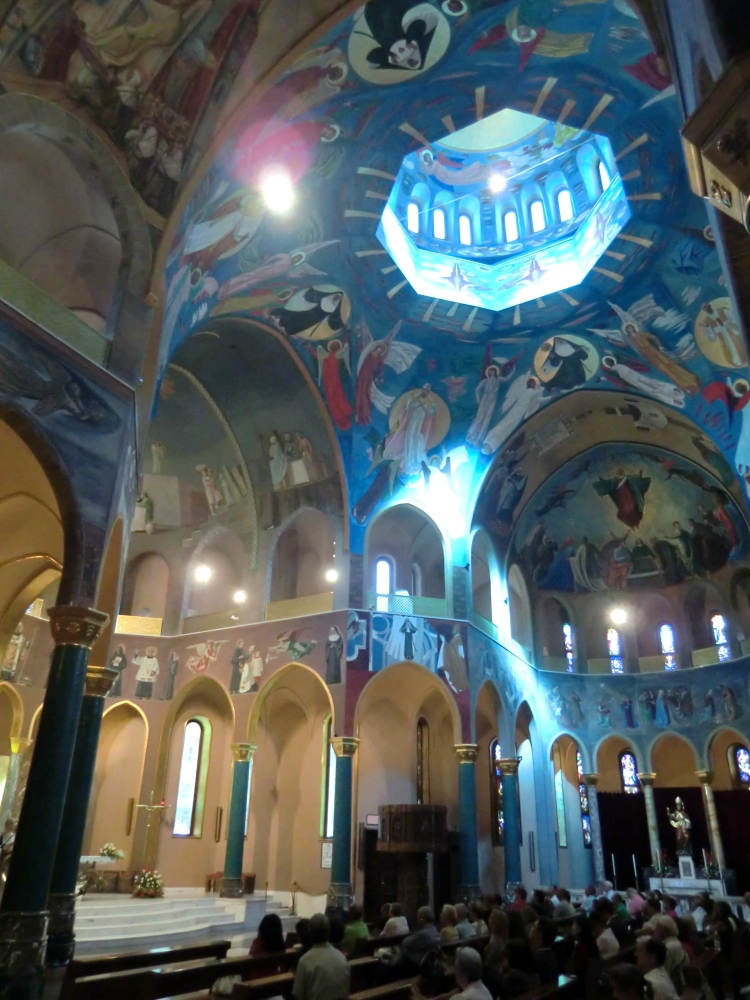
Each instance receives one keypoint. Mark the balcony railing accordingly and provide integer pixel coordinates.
(405, 604)
(296, 607)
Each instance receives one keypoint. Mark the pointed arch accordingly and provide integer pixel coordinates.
(273, 682)
(415, 673)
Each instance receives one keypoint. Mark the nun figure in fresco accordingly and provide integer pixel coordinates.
(334, 652)
(148, 671)
(118, 662)
(167, 692)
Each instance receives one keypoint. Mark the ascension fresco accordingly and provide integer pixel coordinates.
(423, 392)
(621, 518)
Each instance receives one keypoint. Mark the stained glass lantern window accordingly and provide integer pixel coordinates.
(629, 772)
(568, 639)
(614, 644)
(498, 820)
(719, 627)
(668, 646)
(583, 796)
(742, 756)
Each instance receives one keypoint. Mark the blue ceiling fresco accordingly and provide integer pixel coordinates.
(424, 392)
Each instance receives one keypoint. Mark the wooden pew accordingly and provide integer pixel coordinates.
(99, 965)
(392, 991)
(362, 972)
(366, 947)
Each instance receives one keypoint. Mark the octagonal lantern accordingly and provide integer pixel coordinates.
(506, 210)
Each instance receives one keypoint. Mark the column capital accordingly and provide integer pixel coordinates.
(344, 746)
(19, 744)
(508, 765)
(591, 779)
(73, 626)
(646, 779)
(99, 680)
(242, 752)
(705, 777)
(466, 752)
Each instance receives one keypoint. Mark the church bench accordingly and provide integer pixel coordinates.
(477, 943)
(368, 946)
(100, 964)
(391, 991)
(362, 972)
(263, 989)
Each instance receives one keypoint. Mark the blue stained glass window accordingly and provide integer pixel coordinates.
(629, 773)
(583, 796)
(668, 646)
(742, 756)
(719, 627)
(614, 644)
(498, 831)
(569, 653)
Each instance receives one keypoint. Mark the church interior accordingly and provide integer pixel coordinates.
(325, 331)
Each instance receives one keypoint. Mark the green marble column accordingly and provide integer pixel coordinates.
(511, 819)
(23, 908)
(467, 821)
(647, 784)
(341, 891)
(62, 893)
(231, 883)
(597, 845)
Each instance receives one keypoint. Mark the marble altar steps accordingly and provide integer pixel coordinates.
(116, 923)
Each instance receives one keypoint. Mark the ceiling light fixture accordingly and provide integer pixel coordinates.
(497, 183)
(203, 573)
(277, 190)
(332, 575)
(618, 615)
(239, 597)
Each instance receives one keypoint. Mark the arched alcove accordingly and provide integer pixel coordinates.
(520, 608)
(557, 635)
(527, 781)
(116, 787)
(622, 813)
(413, 545)
(674, 762)
(213, 576)
(145, 588)
(303, 553)
(701, 603)
(730, 798)
(487, 718)
(484, 583)
(185, 860)
(572, 814)
(290, 727)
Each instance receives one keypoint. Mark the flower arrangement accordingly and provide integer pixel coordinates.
(110, 851)
(148, 884)
(710, 868)
(663, 867)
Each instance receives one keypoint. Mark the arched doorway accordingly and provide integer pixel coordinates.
(406, 563)
(292, 783)
(558, 636)
(146, 587)
(116, 787)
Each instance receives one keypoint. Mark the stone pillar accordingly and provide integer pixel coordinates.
(597, 848)
(231, 883)
(62, 891)
(23, 909)
(18, 748)
(467, 821)
(717, 845)
(647, 783)
(511, 819)
(341, 890)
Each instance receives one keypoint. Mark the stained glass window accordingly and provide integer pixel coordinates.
(383, 577)
(412, 217)
(496, 797)
(614, 644)
(668, 646)
(719, 627)
(187, 785)
(629, 772)
(565, 205)
(568, 639)
(464, 230)
(583, 796)
(742, 756)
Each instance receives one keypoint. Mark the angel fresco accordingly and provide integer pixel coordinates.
(628, 493)
(205, 655)
(288, 265)
(495, 371)
(523, 398)
(333, 361)
(374, 356)
(292, 643)
(631, 375)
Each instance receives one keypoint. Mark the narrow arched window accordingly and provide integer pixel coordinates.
(719, 628)
(562, 831)
(536, 213)
(438, 224)
(668, 646)
(188, 813)
(412, 217)
(496, 795)
(583, 798)
(510, 224)
(629, 773)
(464, 230)
(604, 178)
(328, 797)
(383, 583)
(565, 205)
(569, 653)
(423, 762)
(739, 765)
(614, 644)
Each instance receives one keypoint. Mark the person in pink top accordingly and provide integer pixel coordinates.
(636, 902)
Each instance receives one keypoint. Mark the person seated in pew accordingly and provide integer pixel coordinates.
(649, 957)
(695, 985)
(322, 973)
(651, 910)
(356, 929)
(688, 937)
(635, 903)
(270, 937)
(468, 971)
(385, 915)
(564, 906)
(542, 936)
(606, 941)
(464, 926)
(665, 931)
(478, 919)
(541, 904)
(397, 922)
(700, 907)
(628, 982)
(338, 929)
(585, 957)
(302, 928)
(722, 925)
(520, 895)
(425, 939)
(494, 953)
(619, 925)
(448, 920)
(589, 898)
(519, 970)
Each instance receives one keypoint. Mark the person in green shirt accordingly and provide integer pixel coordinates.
(356, 930)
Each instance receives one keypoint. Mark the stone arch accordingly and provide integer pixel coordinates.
(486, 592)
(521, 628)
(674, 759)
(606, 758)
(108, 594)
(489, 725)
(145, 585)
(16, 707)
(277, 680)
(420, 673)
(716, 751)
(323, 551)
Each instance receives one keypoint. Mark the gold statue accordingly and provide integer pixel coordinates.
(680, 820)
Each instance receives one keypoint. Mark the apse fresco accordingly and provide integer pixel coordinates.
(623, 517)
(148, 74)
(422, 391)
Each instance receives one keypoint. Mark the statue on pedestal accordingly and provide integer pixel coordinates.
(680, 820)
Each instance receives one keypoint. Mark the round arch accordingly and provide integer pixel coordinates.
(673, 758)
(274, 682)
(490, 693)
(715, 751)
(606, 758)
(418, 673)
(486, 588)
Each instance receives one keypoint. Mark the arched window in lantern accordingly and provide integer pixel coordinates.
(412, 217)
(614, 644)
(564, 205)
(719, 627)
(604, 177)
(536, 214)
(668, 646)
(438, 224)
(510, 225)
(464, 230)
